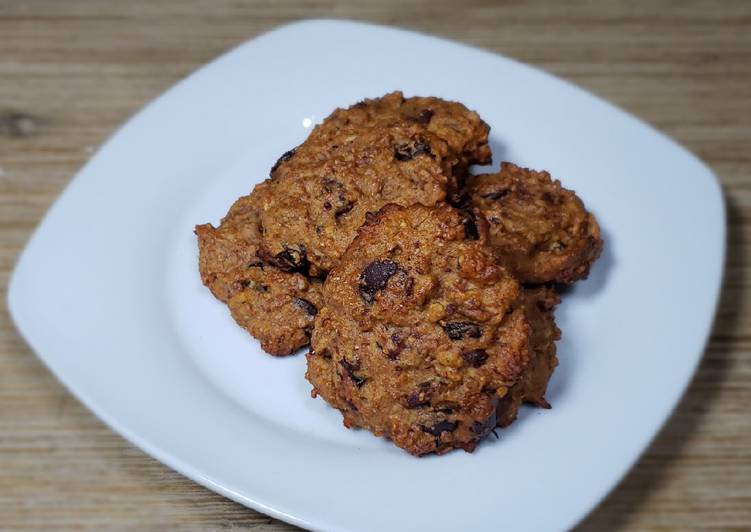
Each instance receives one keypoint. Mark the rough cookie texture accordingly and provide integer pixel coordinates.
(275, 306)
(539, 304)
(387, 150)
(541, 231)
(421, 334)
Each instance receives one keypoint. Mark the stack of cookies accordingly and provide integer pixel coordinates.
(426, 293)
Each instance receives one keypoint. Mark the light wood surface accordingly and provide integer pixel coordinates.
(71, 71)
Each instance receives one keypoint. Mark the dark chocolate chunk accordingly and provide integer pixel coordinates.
(478, 427)
(325, 353)
(476, 357)
(292, 260)
(456, 330)
(258, 287)
(545, 305)
(393, 353)
(286, 156)
(440, 427)
(551, 199)
(407, 151)
(424, 116)
(496, 194)
(351, 368)
(374, 278)
(344, 209)
(306, 306)
(417, 399)
(470, 226)
(420, 397)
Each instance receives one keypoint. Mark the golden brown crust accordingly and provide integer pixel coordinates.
(387, 150)
(421, 333)
(541, 231)
(539, 304)
(276, 307)
(464, 131)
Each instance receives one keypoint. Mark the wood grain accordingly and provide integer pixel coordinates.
(72, 71)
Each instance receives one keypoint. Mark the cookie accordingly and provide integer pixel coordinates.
(464, 131)
(421, 333)
(276, 307)
(541, 231)
(539, 304)
(388, 150)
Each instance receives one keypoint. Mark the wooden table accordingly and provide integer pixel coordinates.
(71, 71)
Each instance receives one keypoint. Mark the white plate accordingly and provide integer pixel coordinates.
(108, 295)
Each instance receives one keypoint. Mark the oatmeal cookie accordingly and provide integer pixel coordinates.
(541, 231)
(276, 307)
(539, 304)
(387, 150)
(422, 333)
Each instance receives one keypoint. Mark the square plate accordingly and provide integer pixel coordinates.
(107, 291)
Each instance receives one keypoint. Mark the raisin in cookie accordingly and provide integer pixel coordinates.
(541, 231)
(388, 150)
(421, 334)
(275, 306)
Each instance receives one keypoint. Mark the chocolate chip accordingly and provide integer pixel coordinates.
(334, 187)
(248, 283)
(470, 226)
(393, 353)
(351, 368)
(424, 116)
(440, 427)
(420, 397)
(478, 427)
(456, 330)
(374, 278)
(292, 260)
(481, 428)
(306, 306)
(407, 151)
(417, 399)
(551, 199)
(286, 156)
(545, 305)
(344, 209)
(476, 357)
(496, 194)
